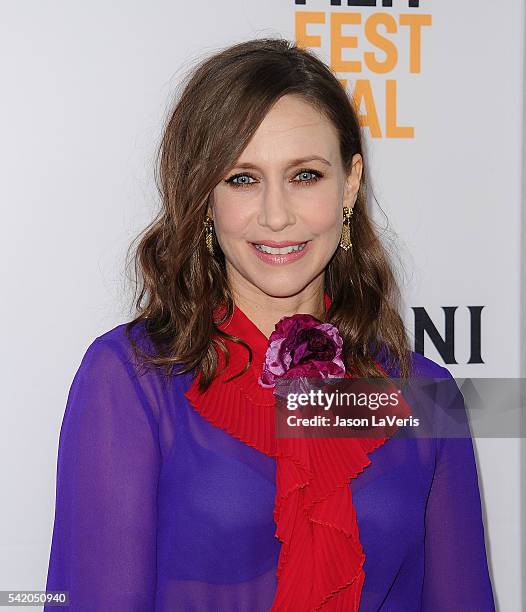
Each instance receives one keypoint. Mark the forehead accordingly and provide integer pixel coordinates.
(292, 128)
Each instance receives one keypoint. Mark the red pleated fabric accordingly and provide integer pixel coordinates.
(321, 559)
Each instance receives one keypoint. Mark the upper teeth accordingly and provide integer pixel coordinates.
(280, 251)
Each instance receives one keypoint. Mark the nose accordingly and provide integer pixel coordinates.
(276, 211)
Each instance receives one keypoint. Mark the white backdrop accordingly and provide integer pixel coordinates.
(85, 89)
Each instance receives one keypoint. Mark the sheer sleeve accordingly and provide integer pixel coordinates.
(456, 573)
(103, 548)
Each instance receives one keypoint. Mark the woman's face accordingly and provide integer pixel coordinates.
(288, 186)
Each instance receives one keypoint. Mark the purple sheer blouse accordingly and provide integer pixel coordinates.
(159, 510)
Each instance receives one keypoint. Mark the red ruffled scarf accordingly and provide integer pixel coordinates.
(321, 558)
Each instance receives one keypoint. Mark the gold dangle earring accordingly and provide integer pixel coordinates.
(209, 234)
(345, 241)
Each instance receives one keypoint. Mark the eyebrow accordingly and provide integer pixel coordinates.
(292, 162)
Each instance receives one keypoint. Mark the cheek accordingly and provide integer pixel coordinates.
(230, 217)
(324, 214)
(325, 220)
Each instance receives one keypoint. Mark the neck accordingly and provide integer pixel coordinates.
(265, 311)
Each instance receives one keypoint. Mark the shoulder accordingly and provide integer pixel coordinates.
(110, 387)
(423, 367)
(436, 377)
(113, 349)
(440, 399)
(419, 365)
(122, 339)
(119, 336)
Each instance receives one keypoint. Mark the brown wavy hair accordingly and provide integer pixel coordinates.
(178, 284)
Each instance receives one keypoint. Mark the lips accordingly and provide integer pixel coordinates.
(279, 258)
(278, 245)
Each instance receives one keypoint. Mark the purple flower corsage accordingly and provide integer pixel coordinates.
(302, 346)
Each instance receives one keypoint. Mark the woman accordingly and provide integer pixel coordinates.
(173, 492)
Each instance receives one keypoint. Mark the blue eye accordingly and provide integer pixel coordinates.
(232, 180)
(315, 176)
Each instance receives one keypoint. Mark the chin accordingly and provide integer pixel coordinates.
(281, 285)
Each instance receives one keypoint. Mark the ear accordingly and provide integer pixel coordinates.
(210, 206)
(352, 182)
